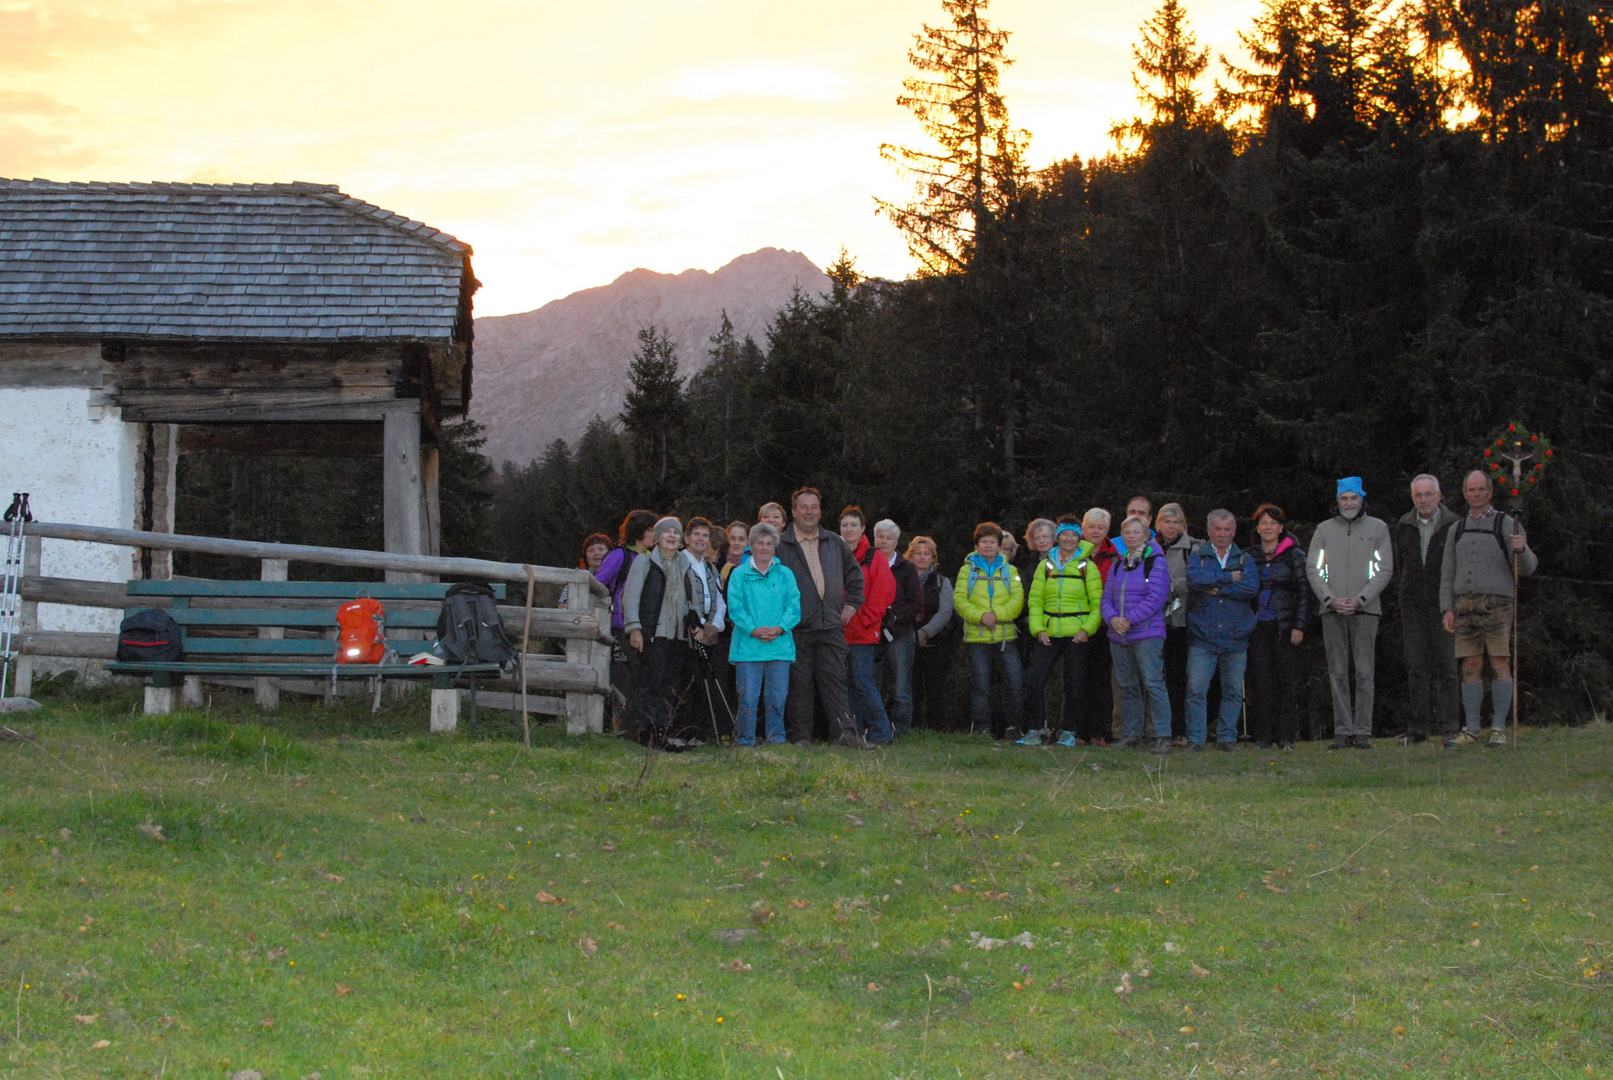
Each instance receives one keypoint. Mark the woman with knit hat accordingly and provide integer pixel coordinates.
(654, 608)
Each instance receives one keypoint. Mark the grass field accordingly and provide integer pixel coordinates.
(342, 895)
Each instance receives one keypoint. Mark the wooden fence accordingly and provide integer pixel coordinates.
(582, 676)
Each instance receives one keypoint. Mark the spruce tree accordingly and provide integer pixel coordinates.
(977, 162)
(654, 410)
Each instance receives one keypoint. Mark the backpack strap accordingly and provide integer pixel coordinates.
(1494, 530)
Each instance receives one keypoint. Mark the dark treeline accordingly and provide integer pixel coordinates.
(1362, 248)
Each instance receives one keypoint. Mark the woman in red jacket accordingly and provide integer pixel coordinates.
(862, 632)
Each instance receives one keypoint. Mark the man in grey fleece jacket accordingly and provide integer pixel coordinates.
(1475, 595)
(1351, 562)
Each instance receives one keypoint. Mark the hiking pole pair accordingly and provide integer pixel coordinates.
(17, 517)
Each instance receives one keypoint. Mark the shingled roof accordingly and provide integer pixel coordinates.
(259, 262)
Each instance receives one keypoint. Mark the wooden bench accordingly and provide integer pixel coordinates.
(216, 619)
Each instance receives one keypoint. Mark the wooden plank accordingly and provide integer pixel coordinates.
(278, 590)
(403, 492)
(543, 704)
(169, 412)
(107, 594)
(25, 364)
(482, 569)
(174, 366)
(221, 617)
(346, 671)
(267, 690)
(68, 643)
(338, 439)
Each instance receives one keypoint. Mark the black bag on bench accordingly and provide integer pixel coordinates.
(470, 630)
(150, 636)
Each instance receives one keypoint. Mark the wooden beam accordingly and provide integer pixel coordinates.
(381, 560)
(585, 712)
(249, 413)
(403, 494)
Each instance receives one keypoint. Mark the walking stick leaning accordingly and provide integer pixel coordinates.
(17, 517)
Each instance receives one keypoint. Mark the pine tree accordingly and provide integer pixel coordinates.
(1170, 63)
(654, 409)
(978, 162)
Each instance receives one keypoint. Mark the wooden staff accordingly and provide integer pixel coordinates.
(526, 634)
(1515, 637)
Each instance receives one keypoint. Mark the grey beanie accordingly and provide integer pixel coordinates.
(666, 524)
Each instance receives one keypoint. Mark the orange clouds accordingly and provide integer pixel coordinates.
(568, 142)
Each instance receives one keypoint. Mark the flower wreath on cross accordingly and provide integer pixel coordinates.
(1517, 460)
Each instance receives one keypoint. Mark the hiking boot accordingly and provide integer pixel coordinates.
(1130, 742)
(1262, 746)
(1030, 738)
(1363, 743)
(1412, 738)
(1161, 746)
(1067, 738)
(1287, 747)
(1180, 740)
(1227, 747)
(1194, 747)
(1011, 733)
(1340, 743)
(1498, 737)
(851, 739)
(1462, 738)
(1101, 743)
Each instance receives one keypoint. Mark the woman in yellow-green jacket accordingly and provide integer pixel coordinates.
(1064, 600)
(989, 597)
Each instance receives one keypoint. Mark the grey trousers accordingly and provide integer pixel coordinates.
(1351, 640)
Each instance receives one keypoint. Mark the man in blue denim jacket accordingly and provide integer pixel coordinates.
(1220, 618)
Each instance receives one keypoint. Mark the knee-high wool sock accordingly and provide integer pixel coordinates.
(1472, 705)
(1501, 701)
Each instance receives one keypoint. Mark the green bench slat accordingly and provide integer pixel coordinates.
(317, 590)
(200, 646)
(320, 620)
(293, 670)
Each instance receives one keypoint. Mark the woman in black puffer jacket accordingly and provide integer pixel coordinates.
(1282, 613)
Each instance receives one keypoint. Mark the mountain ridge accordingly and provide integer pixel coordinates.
(542, 375)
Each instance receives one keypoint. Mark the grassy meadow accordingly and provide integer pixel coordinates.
(338, 895)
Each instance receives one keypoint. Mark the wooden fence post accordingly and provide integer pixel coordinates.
(585, 713)
(22, 681)
(268, 689)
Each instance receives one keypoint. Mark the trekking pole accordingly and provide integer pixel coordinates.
(1515, 641)
(16, 518)
(526, 632)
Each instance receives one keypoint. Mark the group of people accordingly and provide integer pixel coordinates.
(807, 626)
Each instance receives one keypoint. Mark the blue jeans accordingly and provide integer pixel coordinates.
(899, 658)
(1202, 666)
(768, 682)
(1140, 669)
(983, 656)
(866, 704)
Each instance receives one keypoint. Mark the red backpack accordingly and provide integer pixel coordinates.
(361, 632)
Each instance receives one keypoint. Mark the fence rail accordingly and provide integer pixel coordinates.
(582, 675)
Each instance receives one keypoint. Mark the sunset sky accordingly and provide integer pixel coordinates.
(569, 142)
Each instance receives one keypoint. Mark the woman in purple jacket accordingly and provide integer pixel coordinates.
(1133, 608)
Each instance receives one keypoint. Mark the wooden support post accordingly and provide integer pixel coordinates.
(431, 508)
(22, 680)
(268, 689)
(159, 700)
(190, 692)
(585, 713)
(403, 499)
(445, 709)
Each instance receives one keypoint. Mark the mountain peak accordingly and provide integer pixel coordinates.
(543, 374)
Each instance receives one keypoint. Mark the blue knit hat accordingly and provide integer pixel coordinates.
(1351, 483)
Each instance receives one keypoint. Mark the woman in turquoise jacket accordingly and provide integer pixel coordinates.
(764, 605)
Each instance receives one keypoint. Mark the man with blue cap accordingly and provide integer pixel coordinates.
(1351, 562)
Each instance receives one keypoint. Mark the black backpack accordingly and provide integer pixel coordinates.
(150, 636)
(470, 630)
